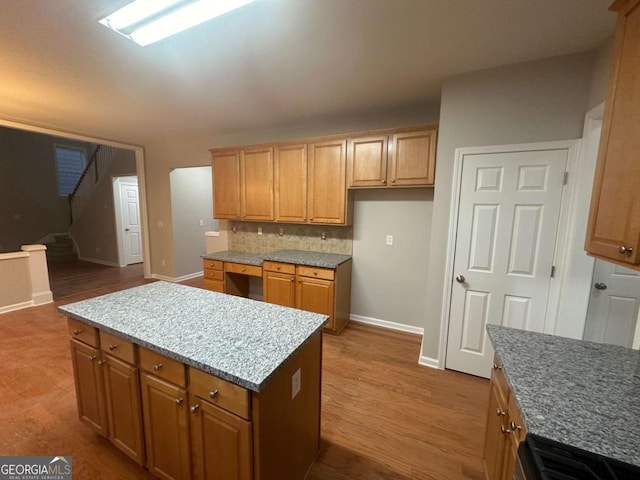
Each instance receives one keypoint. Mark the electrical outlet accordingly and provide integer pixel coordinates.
(202, 223)
(296, 383)
(389, 240)
(259, 230)
(323, 235)
(281, 231)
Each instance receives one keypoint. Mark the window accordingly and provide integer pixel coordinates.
(70, 162)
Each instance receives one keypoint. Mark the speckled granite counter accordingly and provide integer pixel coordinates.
(238, 339)
(237, 257)
(578, 393)
(298, 257)
(312, 259)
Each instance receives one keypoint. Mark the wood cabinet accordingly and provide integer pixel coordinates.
(505, 429)
(290, 178)
(87, 375)
(221, 443)
(613, 231)
(213, 273)
(327, 182)
(403, 159)
(243, 184)
(278, 283)
(166, 426)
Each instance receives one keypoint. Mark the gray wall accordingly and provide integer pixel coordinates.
(191, 201)
(95, 230)
(603, 57)
(529, 102)
(28, 188)
(389, 282)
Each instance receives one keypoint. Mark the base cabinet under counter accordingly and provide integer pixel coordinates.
(182, 423)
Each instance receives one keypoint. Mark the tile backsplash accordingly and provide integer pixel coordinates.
(243, 236)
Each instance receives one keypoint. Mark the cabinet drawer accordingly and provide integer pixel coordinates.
(214, 285)
(212, 264)
(83, 332)
(213, 274)
(118, 347)
(315, 272)
(243, 269)
(279, 267)
(219, 392)
(163, 367)
(516, 425)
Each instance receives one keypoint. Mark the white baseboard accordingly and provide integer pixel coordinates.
(429, 362)
(16, 306)
(100, 262)
(163, 277)
(189, 277)
(40, 298)
(387, 324)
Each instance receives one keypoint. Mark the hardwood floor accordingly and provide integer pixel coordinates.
(383, 415)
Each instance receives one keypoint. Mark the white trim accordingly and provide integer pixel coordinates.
(41, 298)
(189, 276)
(387, 324)
(100, 262)
(33, 248)
(13, 255)
(164, 278)
(140, 173)
(211, 234)
(453, 216)
(429, 362)
(16, 306)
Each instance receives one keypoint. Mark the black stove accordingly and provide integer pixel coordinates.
(543, 459)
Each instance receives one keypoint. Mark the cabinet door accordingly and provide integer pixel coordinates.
(315, 295)
(413, 157)
(614, 217)
(222, 447)
(367, 161)
(87, 375)
(226, 184)
(290, 177)
(257, 184)
(495, 441)
(327, 182)
(279, 288)
(124, 407)
(166, 427)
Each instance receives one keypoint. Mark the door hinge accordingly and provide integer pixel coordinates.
(553, 271)
(566, 178)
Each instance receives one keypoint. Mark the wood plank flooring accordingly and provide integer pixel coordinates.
(383, 415)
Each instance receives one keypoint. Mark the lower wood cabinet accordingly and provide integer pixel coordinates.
(220, 442)
(87, 374)
(166, 426)
(505, 429)
(316, 295)
(278, 283)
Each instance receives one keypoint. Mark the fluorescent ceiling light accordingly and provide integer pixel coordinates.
(147, 21)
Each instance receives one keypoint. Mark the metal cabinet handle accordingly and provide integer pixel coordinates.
(393, 180)
(292, 279)
(514, 426)
(113, 346)
(77, 332)
(157, 366)
(195, 408)
(460, 279)
(627, 250)
(278, 267)
(500, 413)
(497, 367)
(179, 401)
(600, 286)
(92, 357)
(384, 182)
(504, 430)
(213, 393)
(101, 362)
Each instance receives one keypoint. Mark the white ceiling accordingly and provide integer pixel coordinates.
(273, 63)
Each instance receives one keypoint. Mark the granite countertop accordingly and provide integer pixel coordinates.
(576, 392)
(298, 257)
(241, 340)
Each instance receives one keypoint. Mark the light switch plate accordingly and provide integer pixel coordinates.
(389, 239)
(296, 383)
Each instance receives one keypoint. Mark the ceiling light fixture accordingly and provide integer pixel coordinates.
(147, 21)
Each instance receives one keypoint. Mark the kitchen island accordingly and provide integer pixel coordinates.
(197, 384)
(577, 393)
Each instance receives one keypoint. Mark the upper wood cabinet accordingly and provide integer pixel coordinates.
(290, 178)
(613, 231)
(244, 186)
(404, 159)
(327, 186)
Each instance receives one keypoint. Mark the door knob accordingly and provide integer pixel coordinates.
(601, 286)
(460, 279)
(126, 229)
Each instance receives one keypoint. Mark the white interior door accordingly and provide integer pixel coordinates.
(613, 304)
(130, 209)
(507, 225)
